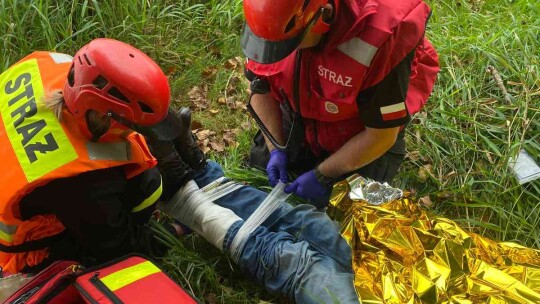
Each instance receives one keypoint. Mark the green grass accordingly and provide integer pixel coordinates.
(466, 134)
(470, 131)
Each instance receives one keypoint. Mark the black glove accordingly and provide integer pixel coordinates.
(186, 143)
(175, 172)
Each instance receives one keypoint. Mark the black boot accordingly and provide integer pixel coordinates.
(186, 143)
(175, 172)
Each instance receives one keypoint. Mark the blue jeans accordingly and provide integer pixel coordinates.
(297, 251)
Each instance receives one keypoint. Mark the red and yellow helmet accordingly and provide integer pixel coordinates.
(275, 28)
(118, 80)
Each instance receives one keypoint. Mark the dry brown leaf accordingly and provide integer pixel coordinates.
(217, 146)
(232, 63)
(222, 100)
(205, 149)
(240, 105)
(198, 97)
(228, 133)
(213, 111)
(490, 159)
(229, 136)
(203, 134)
(425, 172)
(426, 201)
(450, 175)
(231, 102)
(195, 124)
(413, 155)
(209, 72)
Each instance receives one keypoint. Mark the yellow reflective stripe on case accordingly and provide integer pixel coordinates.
(151, 199)
(124, 277)
(36, 135)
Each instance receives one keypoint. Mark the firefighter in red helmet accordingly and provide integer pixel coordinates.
(81, 185)
(333, 85)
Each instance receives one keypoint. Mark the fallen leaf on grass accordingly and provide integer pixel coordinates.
(490, 159)
(217, 146)
(230, 102)
(233, 63)
(426, 201)
(209, 72)
(240, 105)
(198, 97)
(413, 155)
(208, 140)
(229, 137)
(203, 134)
(425, 172)
(450, 175)
(195, 124)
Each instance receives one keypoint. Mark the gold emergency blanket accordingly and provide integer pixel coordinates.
(401, 254)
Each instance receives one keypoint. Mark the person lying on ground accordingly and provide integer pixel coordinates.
(297, 251)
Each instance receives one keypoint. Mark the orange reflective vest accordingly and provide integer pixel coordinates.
(36, 148)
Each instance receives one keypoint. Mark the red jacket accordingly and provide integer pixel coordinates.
(368, 40)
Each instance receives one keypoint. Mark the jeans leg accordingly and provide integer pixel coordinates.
(303, 222)
(283, 265)
(211, 172)
(243, 201)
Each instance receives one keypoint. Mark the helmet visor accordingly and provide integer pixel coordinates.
(265, 51)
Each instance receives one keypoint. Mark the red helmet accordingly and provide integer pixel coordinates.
(275, 28)
(116, 79)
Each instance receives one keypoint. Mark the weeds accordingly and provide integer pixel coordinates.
(458, 147)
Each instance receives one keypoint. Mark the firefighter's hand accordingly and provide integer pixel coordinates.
(277, 167)
(308, 187)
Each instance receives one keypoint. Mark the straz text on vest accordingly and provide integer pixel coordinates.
(334, 77)
(32, 132)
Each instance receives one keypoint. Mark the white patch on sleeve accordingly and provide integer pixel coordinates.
(359, 50)
(393, 108)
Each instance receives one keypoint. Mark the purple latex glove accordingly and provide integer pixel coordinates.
(308, 187)
(277, 167)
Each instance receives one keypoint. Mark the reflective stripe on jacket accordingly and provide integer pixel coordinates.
(36, 148)
(368, 39)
